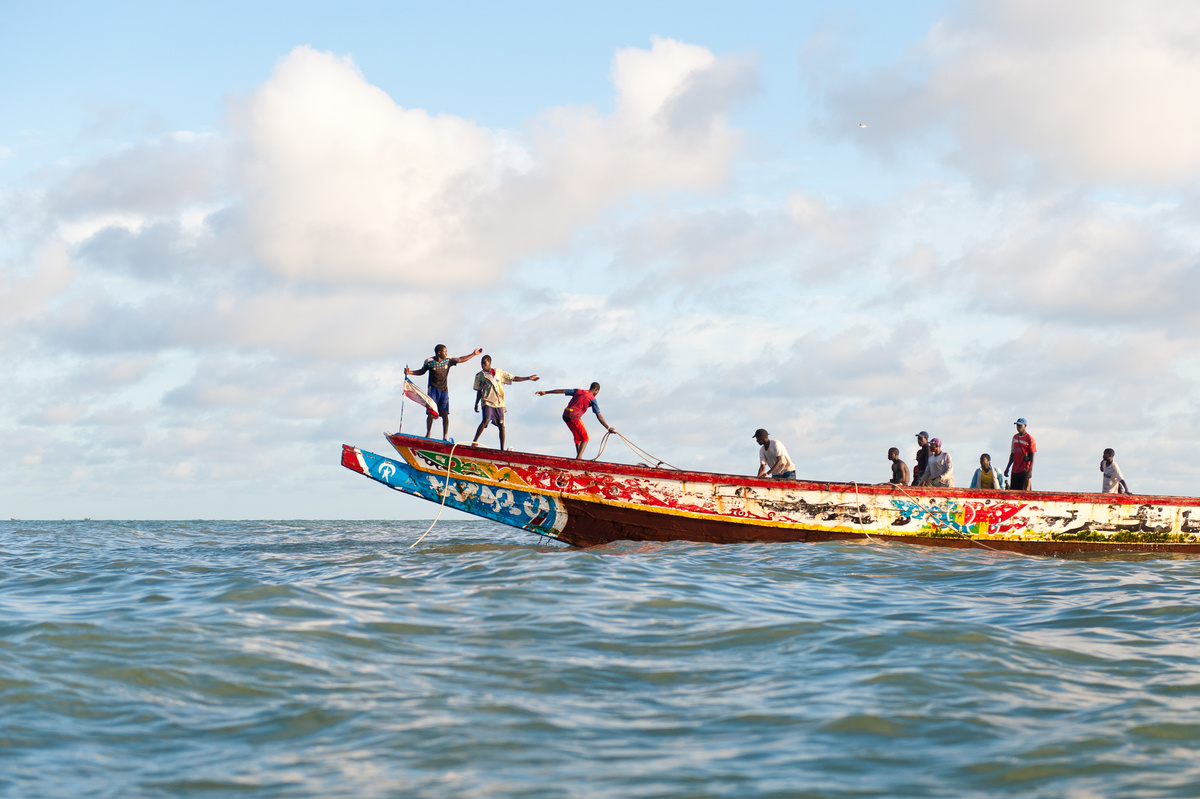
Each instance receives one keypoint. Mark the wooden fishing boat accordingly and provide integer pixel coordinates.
(586, 503)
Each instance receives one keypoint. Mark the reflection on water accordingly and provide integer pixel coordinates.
(327, 659)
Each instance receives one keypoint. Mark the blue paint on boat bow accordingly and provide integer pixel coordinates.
(537, 513)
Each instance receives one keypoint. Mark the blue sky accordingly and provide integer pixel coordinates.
(224, 230)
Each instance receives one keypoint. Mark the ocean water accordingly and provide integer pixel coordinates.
(317, 659)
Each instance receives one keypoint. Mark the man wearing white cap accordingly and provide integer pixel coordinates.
(1020, 459)
(773, 460)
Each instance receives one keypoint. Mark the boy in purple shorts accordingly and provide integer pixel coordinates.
(439, 368)
(489, 388)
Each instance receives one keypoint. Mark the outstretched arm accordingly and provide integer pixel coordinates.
(465, 358)
(552, 391)
(424, 368)
(523, 379)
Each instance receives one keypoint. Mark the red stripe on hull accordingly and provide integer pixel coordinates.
(399, 440)
(350, 459)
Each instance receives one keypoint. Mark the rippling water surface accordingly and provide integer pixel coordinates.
(327, 659)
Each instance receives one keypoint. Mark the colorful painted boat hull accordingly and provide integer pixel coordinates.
(587, 504)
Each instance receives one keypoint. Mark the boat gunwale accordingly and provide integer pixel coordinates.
(876, 489)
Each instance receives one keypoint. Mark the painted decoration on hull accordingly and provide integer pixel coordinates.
(832, 507)
(537, 513)
(962, 518)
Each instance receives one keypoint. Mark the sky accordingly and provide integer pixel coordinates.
(226, 229)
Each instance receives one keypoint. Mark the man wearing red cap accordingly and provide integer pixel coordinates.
(1020, 459)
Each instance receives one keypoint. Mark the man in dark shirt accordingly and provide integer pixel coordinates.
(439, 391)
(922, 457)
(899, 468)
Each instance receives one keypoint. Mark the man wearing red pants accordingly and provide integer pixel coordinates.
(581, 400)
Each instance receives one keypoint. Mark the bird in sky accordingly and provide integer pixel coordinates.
(862, 124)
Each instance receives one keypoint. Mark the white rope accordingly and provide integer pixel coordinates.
(634, 448)
(445, 493)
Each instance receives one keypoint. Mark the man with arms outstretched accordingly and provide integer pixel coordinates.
(581, 400)
(489, 388)
(439, 391)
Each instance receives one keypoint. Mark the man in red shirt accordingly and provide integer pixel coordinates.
(1020, 459)
(581, 400)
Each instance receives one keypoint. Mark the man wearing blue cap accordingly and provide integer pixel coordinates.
(1020, 459)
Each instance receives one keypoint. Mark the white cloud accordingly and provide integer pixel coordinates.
(342, 184)
(1085, 90)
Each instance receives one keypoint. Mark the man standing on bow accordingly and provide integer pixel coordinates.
(489, 388)
(581, 400)
(1020, 459)
(773, 460)
(439, 391)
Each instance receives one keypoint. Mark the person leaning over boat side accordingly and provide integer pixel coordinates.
(581, 400)
(1020, 459)
(1114, 481)
(439, 390)
(940, 471)
(922, 459)
(773, 460)
(899, 468)
(987, 476)
(489, 387)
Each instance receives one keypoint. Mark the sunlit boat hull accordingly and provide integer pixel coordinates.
(586, 503)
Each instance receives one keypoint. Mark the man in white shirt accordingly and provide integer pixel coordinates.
(489, 388)
(1114, 481)
(773, 460)
(940, 471)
